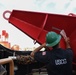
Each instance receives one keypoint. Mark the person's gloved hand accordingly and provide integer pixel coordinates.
(63, 34)
(67, 40)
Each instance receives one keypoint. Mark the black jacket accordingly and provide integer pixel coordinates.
(58, 61)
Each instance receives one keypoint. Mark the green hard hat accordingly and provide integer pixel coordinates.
(52, 39)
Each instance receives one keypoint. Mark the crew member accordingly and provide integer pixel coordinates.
(58, 61)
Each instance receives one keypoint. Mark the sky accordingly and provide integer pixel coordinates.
(51, 6)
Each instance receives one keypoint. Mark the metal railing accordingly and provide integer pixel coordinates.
(11, 64)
